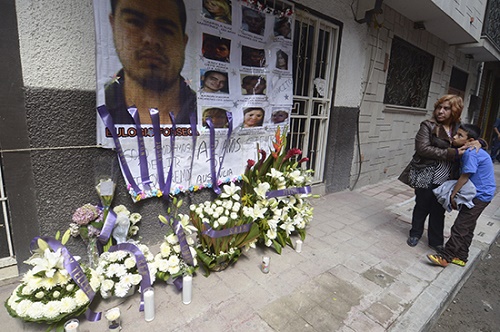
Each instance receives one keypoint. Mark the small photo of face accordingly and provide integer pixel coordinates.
(281, 60)
(219, 10)
(253, 57)
(213, 81)
(253, 21)
(216, 48)
(253, 117)
(253, 85)
(279, 116)
(283, 27)
(217, 115)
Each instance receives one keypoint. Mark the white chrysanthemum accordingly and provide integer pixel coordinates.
(223, 220)
(136, 279)
(162, 265)
(22, 307)
(68, 304)
(173, 260)
(126, 280)
(116, 270)
(107, 285)
(122, 254)
(234, 215)
(121, 290)
(165, 249)
(177, 248)
(129, 262)
(135, 218)
(174, 269)
(48, 283)
(192, 207)
(81, 298)
(35, 310)
(172, 239)
(52, 309)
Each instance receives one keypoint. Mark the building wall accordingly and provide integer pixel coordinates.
(51, 104)
(387, 134)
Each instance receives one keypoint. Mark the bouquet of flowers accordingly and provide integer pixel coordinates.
(223, 229)
(170, 263)
(118, 271)
(275, 195)
(47, 294)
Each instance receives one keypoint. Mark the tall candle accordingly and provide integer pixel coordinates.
(149, 304)
(71, 325)
(187, 289)
(298, 245)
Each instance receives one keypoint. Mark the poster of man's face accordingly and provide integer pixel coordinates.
(253, 57)
(216, 48)
(214, 81)
(253, 21)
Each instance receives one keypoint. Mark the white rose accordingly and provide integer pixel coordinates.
(40, 295)
(129, 262)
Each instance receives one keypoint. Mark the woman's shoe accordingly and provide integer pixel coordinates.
(412, 241)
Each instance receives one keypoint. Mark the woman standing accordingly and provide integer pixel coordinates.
(433, 163)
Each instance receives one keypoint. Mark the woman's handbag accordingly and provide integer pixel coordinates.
(417, 175)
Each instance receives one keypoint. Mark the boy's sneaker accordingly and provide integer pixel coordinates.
(437, 260)
(458, 261)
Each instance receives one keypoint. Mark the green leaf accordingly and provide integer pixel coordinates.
(66, 236)
(42, 244)
(277, 246)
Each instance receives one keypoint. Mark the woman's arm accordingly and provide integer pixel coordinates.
(425, 149)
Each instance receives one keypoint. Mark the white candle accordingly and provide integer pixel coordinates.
(149, 304)
(113, 317)
(298, 246)
(72, 325)
(187, 289)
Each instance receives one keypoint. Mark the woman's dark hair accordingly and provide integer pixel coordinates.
(472, 131)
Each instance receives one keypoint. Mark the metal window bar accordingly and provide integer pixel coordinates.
(3, 201)
(315, 47)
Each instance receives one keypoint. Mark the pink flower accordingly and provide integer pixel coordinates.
(85, 214)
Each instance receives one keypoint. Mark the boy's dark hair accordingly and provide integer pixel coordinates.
(179, 3)
(472, 131)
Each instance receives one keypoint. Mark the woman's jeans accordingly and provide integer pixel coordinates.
(426, 204)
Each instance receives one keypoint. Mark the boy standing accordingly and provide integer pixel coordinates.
(478, 168)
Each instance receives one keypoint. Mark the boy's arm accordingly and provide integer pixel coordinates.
(460, 183)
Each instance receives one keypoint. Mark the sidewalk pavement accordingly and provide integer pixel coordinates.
(355, 274)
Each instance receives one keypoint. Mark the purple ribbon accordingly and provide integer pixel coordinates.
(155, 119)
(215, 185)
(229, 116)
(142, 266)
(143, 161)
(108, 122)
(226, 232)
(108, 226)
(75, 271)
(194, 132)
(288, 192)
(168, 183)
(185, 252)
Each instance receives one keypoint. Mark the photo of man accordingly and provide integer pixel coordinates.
(253, 57)
(216, 48)
(150, 40)
(214, 82)
(253, 21)
(253, 85)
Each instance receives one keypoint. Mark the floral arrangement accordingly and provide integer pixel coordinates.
(278, 216)
(216, 252)
(169, 262)
(47, 294)
(118, 271)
